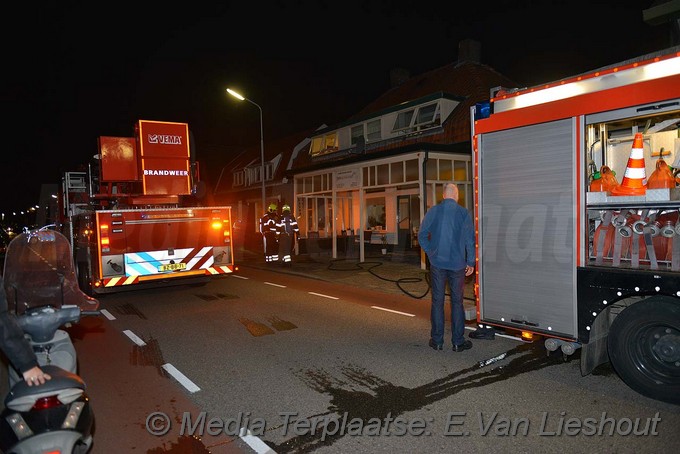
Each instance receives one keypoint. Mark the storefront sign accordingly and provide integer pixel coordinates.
(347, 179)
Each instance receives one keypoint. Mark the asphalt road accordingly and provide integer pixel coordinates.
(312, 366)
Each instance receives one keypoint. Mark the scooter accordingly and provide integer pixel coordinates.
(42, 291)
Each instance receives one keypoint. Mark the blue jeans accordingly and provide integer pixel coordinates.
(456, 280)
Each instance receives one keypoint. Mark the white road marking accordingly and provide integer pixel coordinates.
(240, 277)
(323, 296)
(181, 378)
(393, 311)
(134, 338)
(259, 446)
(275, 285)
(107, 314)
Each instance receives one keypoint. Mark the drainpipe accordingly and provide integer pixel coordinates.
(423, 183)
(423, 204)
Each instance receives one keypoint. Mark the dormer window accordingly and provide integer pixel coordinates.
(403, 120)
(239, 178)
(356, 134)
(373, 130)
(417, 118)
(326, 143)
(365, 133)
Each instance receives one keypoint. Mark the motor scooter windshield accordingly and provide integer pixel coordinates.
(39, 272)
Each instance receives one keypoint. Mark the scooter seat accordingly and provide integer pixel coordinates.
(62, 383)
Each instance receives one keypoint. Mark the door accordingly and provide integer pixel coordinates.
(408, 220)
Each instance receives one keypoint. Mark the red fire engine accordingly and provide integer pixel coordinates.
(561, 256)
(135, 219)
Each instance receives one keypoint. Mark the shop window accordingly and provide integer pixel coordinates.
(375, 213)
(431, 169)
(411, 170)
(445, 170)
(383, 174)
(460, 170)
(397, 172)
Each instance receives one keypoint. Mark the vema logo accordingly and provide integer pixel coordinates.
(165, 139)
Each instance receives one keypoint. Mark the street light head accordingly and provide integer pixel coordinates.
(235, 94)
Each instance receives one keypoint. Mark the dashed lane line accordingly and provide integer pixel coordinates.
(324, 296)
(275, 285)
(107, 314)
(181, 378)
(393, 311)
(134, 338)
(259, 446)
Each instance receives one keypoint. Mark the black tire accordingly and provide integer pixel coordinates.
(84, 279)
(644, 348)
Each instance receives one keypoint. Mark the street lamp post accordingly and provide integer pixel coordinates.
(243, 98)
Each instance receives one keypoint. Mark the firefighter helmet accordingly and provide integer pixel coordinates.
(285, 208)
(272, 207)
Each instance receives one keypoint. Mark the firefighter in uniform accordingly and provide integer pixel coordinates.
(288, 231)
(268, 229)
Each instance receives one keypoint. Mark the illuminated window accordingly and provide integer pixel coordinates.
(326, 143)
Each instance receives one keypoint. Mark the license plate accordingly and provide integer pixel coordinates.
(172, 267)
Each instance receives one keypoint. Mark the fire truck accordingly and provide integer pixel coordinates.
(585, 269)
(135, 215)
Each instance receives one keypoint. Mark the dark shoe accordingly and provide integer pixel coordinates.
(466, 345)
(435, 346)
(483, 333)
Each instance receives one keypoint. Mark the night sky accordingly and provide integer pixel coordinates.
(74, 71)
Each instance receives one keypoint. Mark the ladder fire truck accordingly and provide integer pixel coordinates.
(592, 270)
(135, 217)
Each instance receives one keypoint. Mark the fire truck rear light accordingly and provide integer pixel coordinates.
(216, 225)
(226, 233)
(104, 227)
(46, 402)
(105, 241)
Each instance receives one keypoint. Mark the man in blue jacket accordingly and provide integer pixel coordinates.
(447, 237)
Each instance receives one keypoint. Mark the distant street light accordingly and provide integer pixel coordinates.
(243, 98)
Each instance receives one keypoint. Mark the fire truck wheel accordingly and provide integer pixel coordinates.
(84, 279)
(644, 348)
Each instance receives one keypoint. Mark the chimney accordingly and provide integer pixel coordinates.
(398, 76)
(469, 50)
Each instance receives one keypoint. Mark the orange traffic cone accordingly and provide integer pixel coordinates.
(635, 180)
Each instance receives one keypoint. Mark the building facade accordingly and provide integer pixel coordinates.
(366, 183)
